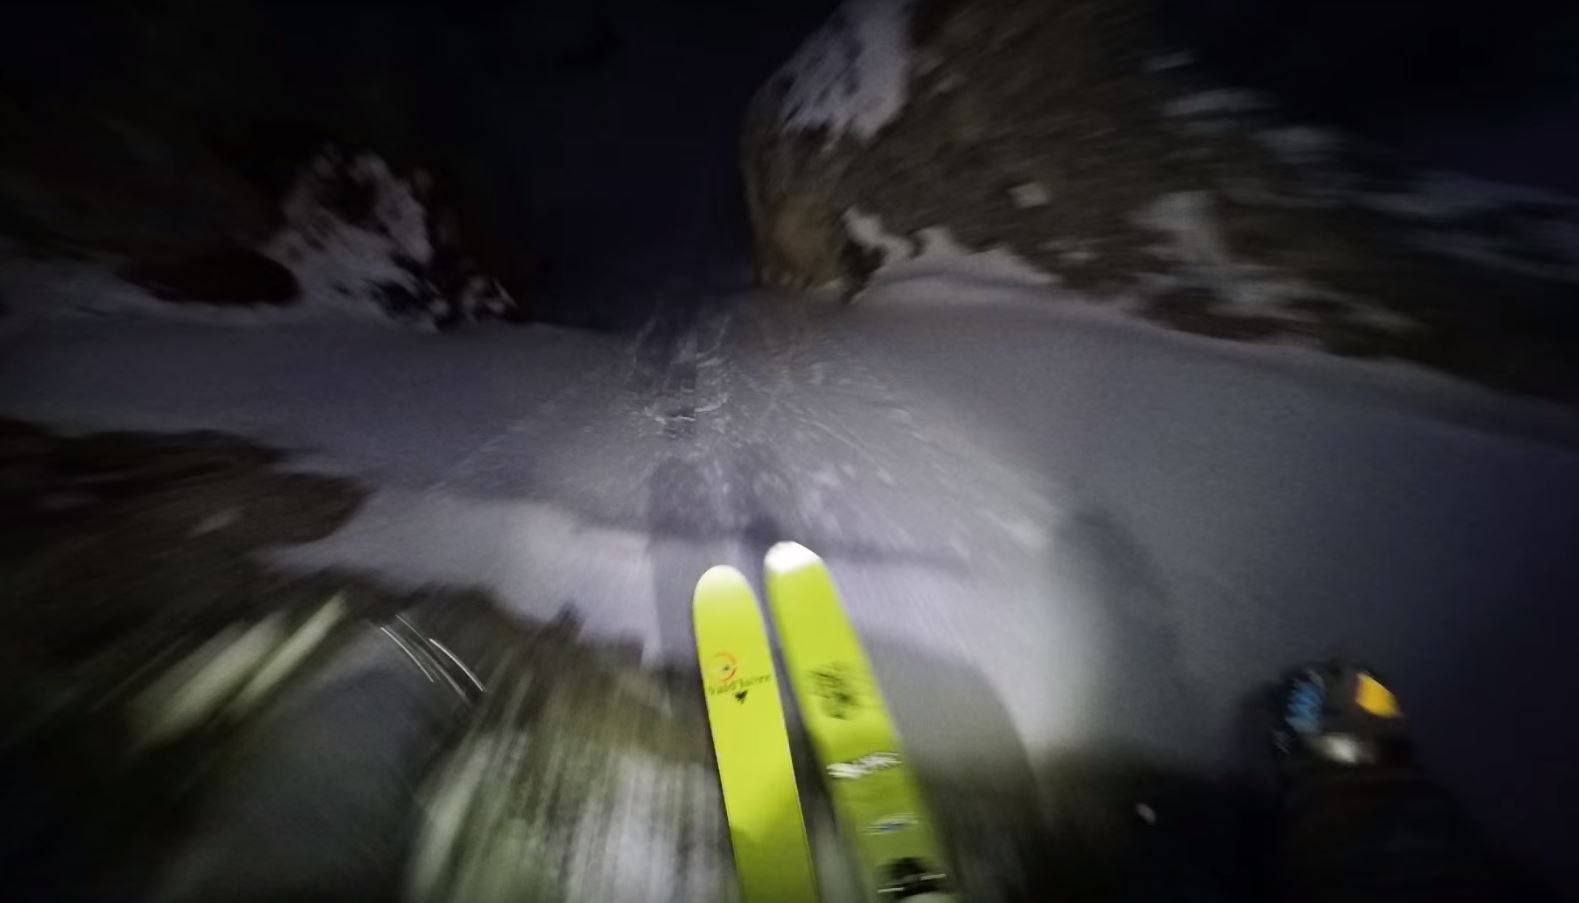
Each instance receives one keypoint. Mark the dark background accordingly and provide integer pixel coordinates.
(1490, 88)
(588, 150)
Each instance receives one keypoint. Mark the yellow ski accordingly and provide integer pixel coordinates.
(772, 856)
(875, 796)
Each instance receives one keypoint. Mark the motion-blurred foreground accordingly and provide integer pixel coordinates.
(1117, 356)
(189, 724)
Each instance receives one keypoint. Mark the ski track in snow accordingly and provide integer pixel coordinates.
(1055, 530)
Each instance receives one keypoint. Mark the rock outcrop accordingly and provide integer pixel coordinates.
(1068, 134)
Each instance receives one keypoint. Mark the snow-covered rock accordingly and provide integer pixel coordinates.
(1058, 138)
(851, 76)
(356, 240)
(359, 236)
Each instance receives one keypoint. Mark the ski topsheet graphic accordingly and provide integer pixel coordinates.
(875, 796)
(772, 856)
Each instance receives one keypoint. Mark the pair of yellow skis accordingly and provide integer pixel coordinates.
(875, 797)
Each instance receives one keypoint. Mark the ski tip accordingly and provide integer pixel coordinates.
(789, 556)
(721, 577)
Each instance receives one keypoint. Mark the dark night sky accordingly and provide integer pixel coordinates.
(1492, 89)
(630, 154)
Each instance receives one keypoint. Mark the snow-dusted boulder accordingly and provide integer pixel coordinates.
(1061, 137)
(355, 239)
(360, 236)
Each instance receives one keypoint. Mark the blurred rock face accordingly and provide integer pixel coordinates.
(1071, 136)
(182, 143)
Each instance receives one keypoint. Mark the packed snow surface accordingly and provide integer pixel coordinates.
(1056, 531)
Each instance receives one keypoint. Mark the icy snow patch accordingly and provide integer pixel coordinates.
(850, 76)
(1301, 144)
(938, 253)
(941, 255)
(1219, 101)
(1379, 318)
(1446, 196)
(867, 231)
(1071, 251)
(1186, 216)
(218, 520)
(1537, 236)
(1031, 194)
(1176, 60)
(994, 264)
(1485, 251)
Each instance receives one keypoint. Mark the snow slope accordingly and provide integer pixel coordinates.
(1058, 530)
